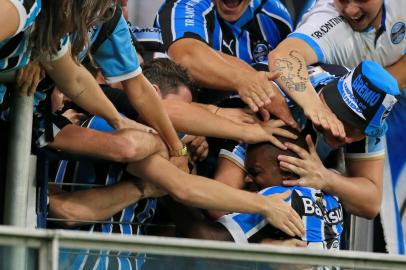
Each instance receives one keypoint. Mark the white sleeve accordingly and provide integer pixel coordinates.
(322, 28)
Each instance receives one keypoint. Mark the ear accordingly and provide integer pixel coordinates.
(157, 89)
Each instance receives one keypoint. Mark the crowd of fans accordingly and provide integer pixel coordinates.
(225, 119)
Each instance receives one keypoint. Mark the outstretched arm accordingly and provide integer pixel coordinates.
(97, 204)
(78, 84)
(290, 59)
(145, 99)
(212, 70)
(204, 193)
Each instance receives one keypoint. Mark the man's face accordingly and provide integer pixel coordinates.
(360, 14)
(231, 10)
(263, 168)
(352, 134)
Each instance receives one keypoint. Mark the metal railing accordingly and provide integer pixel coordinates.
(49, 243)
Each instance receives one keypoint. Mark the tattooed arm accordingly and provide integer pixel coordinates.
(290, 59)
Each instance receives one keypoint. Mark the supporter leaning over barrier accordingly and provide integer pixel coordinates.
(48, 42)
(345, 33)
(364, 150)
(221, 42)
(200, 192)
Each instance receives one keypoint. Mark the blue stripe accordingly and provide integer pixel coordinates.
(243, 48)
(61, 171)
(217, 34)
(316, 48)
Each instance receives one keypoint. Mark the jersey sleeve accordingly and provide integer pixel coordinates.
(184, 19)
(369, 148)
(116, 56)
(27, 10)
(234, 152)
(322, 28)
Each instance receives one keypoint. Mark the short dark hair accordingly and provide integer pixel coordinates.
(169, 76)
(270, 149)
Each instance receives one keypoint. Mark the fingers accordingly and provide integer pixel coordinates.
(34, 85)
(277, 143)
(265, 114)
(272, 75)
(258, 99)
(302, 153)
(285, 133)
(290, 167)
(291, 183)
(250, 104)
(188, 139)
(297, 223)
(290, 160)
(310, 144)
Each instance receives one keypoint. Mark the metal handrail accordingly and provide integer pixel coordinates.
(53, 240)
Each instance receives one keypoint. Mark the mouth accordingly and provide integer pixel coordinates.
(356, 19)
(231, 4)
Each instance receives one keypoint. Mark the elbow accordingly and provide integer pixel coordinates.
(372, 211)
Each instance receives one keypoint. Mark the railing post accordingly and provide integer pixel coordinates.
(17, 176)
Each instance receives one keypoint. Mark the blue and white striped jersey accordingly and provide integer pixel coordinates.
(116, 56)
(14, 51)
(261, 27)
(125, 222)
(321, 213)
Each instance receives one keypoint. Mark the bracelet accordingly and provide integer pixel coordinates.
(180, 152)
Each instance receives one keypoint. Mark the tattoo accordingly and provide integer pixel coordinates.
(293, 71)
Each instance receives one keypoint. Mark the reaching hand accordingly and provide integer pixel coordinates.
(309, 166)
(283, 216)
(197, 146)
(279, 109)
(256, 89)
(323, 118)
(29, 77)
(266, 131)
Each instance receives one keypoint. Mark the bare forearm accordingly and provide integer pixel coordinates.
(196, 120)
(359, 195)
(148, 104)
(93, 204)
(294, 77)
(209, 68)
(398, 71)
(195, 190)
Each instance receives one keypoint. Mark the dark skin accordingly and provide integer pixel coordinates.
(263, 166)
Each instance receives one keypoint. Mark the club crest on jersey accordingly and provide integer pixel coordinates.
(260, 52)
(397, 33)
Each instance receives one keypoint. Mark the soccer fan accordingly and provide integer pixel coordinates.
(220, 41)
(344, 33)
(348, 95)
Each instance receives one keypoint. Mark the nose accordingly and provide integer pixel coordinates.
(248, 179)
(351, 10)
